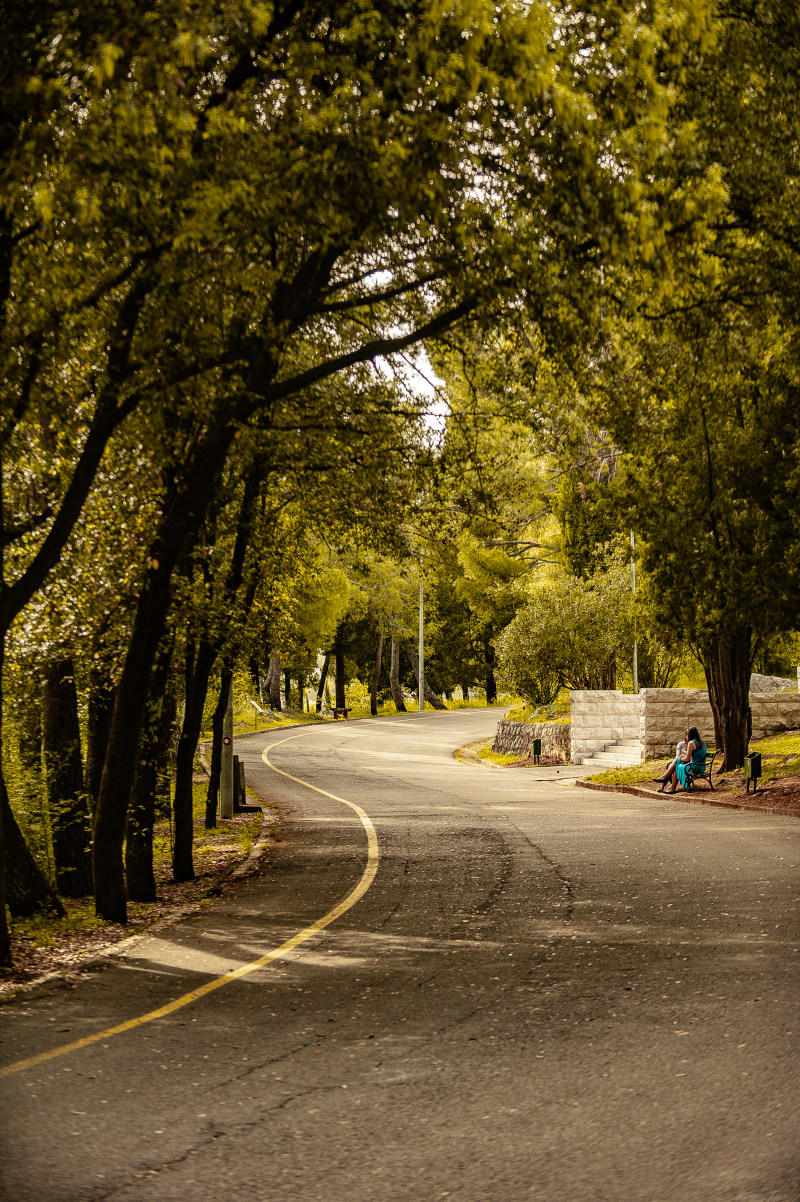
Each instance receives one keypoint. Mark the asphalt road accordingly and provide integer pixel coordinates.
(530, 991)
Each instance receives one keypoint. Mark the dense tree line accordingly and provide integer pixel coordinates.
(213, 223)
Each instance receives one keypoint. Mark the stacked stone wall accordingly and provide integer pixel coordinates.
(666, 713)
(657, 718)
(516, 738)
(774, 712)
(600, 716)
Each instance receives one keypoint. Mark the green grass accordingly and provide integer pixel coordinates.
(43, 930)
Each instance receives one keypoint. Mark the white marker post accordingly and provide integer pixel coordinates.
(226, 767)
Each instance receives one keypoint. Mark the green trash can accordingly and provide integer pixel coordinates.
(537, 750)
(752, 770)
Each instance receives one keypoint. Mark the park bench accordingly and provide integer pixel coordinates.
(694, 774)
(341, 710)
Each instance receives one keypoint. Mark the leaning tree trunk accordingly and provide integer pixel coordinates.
(69, 814)
(433, 698)
(323, 676)
(140, 878)
(488, 656)
(98, 726)
(727, 669)
(274, 681)
(340, 702)
(376, 676)
(198, 671)
(287, 688)
(215, 770)
(394, 678)
(177, 529)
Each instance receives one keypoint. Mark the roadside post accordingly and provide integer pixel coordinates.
(226, 767)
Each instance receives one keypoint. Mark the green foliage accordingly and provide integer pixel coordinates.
(567, 635)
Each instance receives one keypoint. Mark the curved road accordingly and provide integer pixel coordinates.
(489, 986)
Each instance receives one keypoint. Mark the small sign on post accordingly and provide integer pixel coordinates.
(226, 767)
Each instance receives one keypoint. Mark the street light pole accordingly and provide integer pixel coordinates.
(421, 653)
(635, 645)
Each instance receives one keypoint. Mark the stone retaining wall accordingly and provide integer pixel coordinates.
(657, 718)
(516, 738)
(600, 716)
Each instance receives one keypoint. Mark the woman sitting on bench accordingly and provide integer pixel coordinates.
(691, 762)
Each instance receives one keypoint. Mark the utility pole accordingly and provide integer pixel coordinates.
(635, 643)
(226, 766)
(421, 653)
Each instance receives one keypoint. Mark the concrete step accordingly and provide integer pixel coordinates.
(615, 755)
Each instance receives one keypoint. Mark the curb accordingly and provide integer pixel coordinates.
(690, 799)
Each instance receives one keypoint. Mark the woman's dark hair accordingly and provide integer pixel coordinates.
(694, 736)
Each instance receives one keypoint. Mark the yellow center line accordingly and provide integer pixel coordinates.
(367, 877)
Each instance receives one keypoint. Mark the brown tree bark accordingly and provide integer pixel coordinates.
(98, 727)
(727, 668)
(428, 693)
(488, 656)
(140, 878)
(274, 681)
(323, 676)
(394, 678)
(198, 671)
(177, 528)
(66, 797)
(339, 657)
(376, 676)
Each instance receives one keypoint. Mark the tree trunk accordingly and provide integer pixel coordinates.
(376, 676)
(274, 681)
(98, 727)
(69, 815)
(27, 890)
(433, 698)
(177, 528)
(465, 692)
(198, 671)
(727, 669)
(287, 688)
(139, 876)
(394, 678)
(340, 698)
(215, 773)
(255, 676)
(488, 658)
(323, 676)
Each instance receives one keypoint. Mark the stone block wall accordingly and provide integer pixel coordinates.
(516, 738)
(600, 716)
(666, 713)
(773, 712)
(657, 718)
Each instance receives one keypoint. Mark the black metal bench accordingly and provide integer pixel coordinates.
(693, 774)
